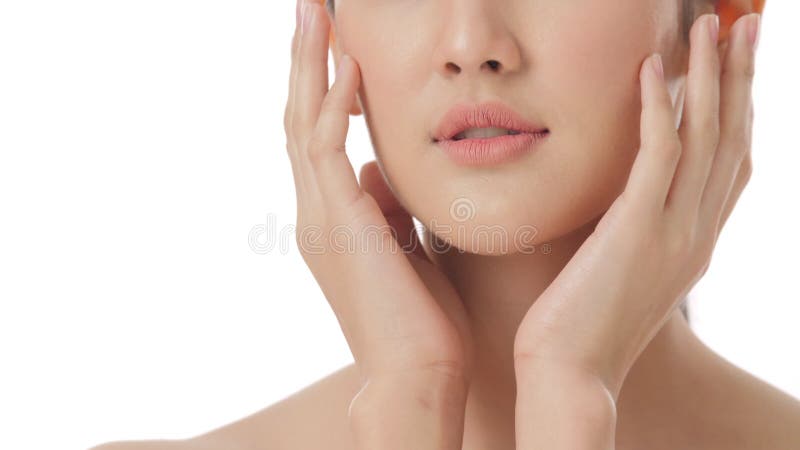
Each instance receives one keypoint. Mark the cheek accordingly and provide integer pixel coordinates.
(395, 82)
(394, 74)
(594, 73)
(596, 101)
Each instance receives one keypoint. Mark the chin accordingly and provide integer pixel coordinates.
(520, 208)
(500, 228)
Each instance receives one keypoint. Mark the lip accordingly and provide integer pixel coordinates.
(486, 151)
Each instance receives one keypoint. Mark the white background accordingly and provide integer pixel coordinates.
(141, 142)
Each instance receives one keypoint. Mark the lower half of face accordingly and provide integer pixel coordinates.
(570, 66)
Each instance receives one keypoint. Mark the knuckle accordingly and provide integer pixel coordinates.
(676, 145)
(524, 357)
(310, 242)
(746, 168)
(329, 105)
(299, 242)
(450, 369)
(681, 244)
(749, 70)
(672, 150)
(300, 237)
(709, 125)
(742, 149)
(704, 270)
(289, 146)
(739, 137)
(701, 262)
(300, 123)
(705, 252)
(297, 47)
(314, 149)
(287, 121)
(360, 208)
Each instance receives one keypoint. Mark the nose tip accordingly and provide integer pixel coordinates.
(476, 47)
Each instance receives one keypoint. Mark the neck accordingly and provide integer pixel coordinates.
(497, 291)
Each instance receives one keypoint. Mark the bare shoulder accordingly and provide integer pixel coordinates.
(314, 417)
(750, 412)
(162, 444)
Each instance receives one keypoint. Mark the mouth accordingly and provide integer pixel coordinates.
(489, 133)
(483, 121)
(474, 149)
(486, 133)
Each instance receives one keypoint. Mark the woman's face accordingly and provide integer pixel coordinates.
(569, 65)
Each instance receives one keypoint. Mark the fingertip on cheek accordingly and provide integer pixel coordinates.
(657, 66)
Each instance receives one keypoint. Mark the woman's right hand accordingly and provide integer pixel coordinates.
(402, 319)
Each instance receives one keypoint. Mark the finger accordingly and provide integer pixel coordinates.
(731, 10)
(312, 75)
(699, 129)
(742, 178)
(288, 115)
(735, 127)
(333, 172)
(660, 148)
(399, 219)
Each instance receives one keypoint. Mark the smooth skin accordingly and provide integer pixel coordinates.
(409, 347)
(663, 228)
(592, 334)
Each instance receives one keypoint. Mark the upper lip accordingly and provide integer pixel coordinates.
(494, 114)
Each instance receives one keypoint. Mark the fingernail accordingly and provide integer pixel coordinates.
(755, 31)
(713, 28)
(308, 14)
(658, 65)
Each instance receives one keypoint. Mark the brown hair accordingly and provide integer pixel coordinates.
(689, 12)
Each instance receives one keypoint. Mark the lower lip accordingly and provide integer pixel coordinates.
(491, 151)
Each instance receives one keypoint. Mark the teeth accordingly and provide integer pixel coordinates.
(482, 133)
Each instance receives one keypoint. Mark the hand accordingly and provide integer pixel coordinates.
(402, 319)
(654, 243)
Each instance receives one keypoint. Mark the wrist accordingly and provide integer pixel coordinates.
(421, 411)
(575, 407)
(604, 357)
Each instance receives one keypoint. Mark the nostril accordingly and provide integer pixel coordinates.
(453, 67)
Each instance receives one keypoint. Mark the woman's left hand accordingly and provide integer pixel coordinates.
(576, 344)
